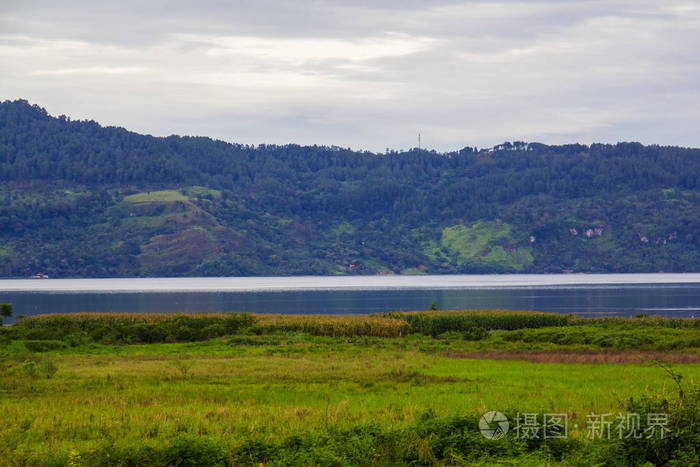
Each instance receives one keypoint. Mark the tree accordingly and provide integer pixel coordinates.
(5, 311)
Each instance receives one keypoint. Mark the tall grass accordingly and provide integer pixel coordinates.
(173, 327)
(80, 328)
(437, 322)
(651, 321)
(84, 318)
(76, 328)
(136, 406)
(610, 337)
(334, 325)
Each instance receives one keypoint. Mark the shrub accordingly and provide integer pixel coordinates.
(6, 309)
(147, 332)
(254, 451)
(39, 369)
(430, 441)
(195, 452)
(182, 452)
(115, 328)
(5, 336)
(77, 339)
(438, 322)
(680, 446)
(473, 333)
(610, 336)
(44, 346)
(214, 330)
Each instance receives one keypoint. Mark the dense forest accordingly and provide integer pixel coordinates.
(81, 200)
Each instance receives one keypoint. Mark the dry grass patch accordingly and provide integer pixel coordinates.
(334, 325)
(557, 356)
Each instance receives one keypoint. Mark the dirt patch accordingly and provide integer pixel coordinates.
(580, 357)
(185, 247)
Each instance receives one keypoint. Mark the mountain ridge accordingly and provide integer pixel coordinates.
(83, 200)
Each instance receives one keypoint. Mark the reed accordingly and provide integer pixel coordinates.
(334, 325)
(166, 327)
(437, 322)
(128, 318)
(174, 327)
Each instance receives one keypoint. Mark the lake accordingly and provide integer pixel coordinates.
(675, 295)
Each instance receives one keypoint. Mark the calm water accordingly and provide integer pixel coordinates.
(588, 295)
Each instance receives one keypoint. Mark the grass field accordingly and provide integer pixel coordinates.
(161, 196)
(300, 390)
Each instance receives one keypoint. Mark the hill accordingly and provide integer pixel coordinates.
(81, 200)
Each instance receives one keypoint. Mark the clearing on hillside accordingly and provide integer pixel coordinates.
(163, 196)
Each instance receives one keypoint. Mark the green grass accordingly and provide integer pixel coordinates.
(145, 222)
(200, 191)
(6, 250)
(617, 337)
(413, 272)
(344, 228)
(485, 243)
(437, 322)
(274, 392)
(163, 196)
(231, 392)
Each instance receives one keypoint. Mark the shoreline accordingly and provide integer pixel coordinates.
(350, 283)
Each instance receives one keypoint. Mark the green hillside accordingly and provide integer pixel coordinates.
(81, 200)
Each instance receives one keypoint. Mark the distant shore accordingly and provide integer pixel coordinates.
(389, 282)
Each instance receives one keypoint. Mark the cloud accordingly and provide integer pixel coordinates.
(366, 74)
(301, 50)
(106, 70)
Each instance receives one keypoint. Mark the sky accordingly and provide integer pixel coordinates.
(363, 74)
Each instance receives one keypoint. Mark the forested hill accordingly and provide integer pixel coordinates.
(79, 199)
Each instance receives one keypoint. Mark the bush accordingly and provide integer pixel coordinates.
(680, 446)
(181, 452)
(254, 451)
(6, 309)
(38, 369)
(214, 330)
(430, 441)
(5, 336)
(44, 346)
(473, 333)
(436, 323)
(610, 336)
(195, 452)
(146, 332)
(120, 328)
(77, 339)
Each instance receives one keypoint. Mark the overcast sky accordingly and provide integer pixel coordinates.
(366, 74)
